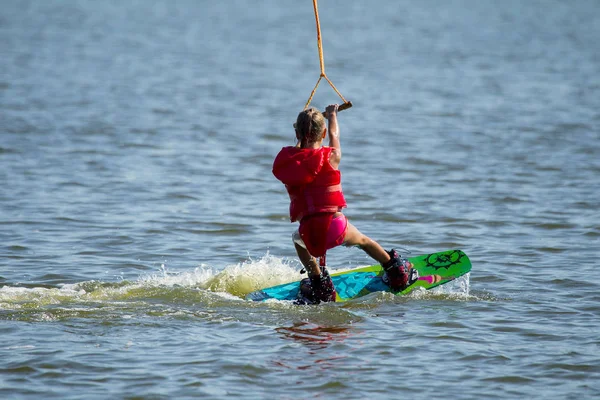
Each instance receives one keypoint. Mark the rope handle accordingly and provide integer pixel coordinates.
(341, 107)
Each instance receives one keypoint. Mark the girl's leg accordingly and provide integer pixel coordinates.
(397, 271)
(355, 238)
(318, 286)
(309, 262)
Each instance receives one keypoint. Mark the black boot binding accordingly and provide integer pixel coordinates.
(314, 290)
(398, 273)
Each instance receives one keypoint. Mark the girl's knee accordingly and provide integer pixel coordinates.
(366, 241)
(360, 240)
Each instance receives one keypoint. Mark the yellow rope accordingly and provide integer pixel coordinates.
(319, 42)
(346, 104)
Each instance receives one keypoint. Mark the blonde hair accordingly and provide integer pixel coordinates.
(310, 125)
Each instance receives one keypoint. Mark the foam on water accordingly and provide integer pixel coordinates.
(233, 282)
(457, 290)
(251, 275)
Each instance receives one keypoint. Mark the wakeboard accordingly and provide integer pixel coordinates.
(434, 270)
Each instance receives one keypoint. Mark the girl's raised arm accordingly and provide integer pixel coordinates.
(334, 135)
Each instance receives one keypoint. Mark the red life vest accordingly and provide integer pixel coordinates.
(313, 185)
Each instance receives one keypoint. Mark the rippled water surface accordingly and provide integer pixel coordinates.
(137, 204)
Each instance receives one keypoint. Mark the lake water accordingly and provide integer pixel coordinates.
(137, 204)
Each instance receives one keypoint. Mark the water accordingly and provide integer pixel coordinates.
(137, 206)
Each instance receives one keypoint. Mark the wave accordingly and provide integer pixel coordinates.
(180, 293)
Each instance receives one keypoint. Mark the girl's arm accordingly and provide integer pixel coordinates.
(334, 135)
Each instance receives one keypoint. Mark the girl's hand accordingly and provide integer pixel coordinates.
(331, 110)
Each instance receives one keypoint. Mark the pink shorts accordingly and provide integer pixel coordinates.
(337, 231)
(335, 235)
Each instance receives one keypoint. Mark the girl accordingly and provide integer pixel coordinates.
(310, 173)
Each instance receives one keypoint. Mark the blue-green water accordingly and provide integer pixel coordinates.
(137, 204)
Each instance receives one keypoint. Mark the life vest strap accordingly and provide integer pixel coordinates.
(322, 261)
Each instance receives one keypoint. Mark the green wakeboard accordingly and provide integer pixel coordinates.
(434, 270)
